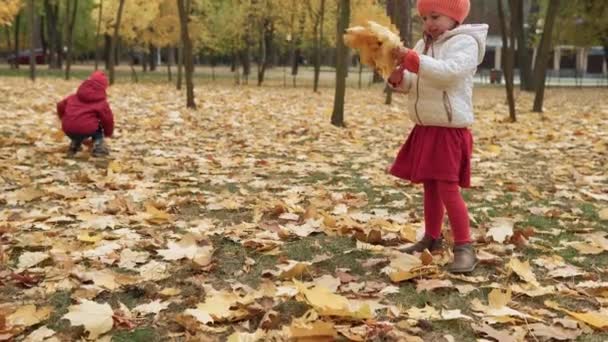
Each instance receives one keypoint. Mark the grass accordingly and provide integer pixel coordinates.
(60, 301)
(202, 74)
(140, 334)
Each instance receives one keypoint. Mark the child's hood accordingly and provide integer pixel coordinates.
(478, 31)
(93, 89)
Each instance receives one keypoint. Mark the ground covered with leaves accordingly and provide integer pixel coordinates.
(252, 218)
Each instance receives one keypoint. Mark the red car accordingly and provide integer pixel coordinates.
(24, 57)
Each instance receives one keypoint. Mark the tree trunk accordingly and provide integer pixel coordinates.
(523, 53)
(143, 57)
(180, 65)
(52, 32)
(246, 62)
(265, 48)
(17, 24)
(508, 59)
(70, 36)
(297, 55)
(152, 57)
(9, 40)
(43, 39)
(97, 32)
(134, 77)
(236, 62)
(170, 58)
(184, 14)
(106, 50)
(318, 39)
(32, 24)
(337, 116)
(540, 69)
(115, 40)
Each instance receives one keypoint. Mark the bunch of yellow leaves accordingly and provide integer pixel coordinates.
(375, 43)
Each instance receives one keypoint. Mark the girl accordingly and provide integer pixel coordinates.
(438, 75)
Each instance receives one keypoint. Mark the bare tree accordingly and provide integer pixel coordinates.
(317, 19)
(540, 68)
(97, 32)
(16, 32)
(507, 60)
(180, 64)
(523, 54)
(70, 35)
(51, 10)
(266, 37)
(32, 24)
(184, 17)
(337, 116)
(114, 41)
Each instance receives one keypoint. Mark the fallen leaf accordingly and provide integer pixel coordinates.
(553, 332)
(603, 214)
(29, 315)
(315, 331)
(501, 336)
(500, 229)
(596, 319)
(151, 308)
(431, 284)
(330, 304)
(29, 259)
(523, 270)
(96, 318)
(426, 313)
(246, 337)
(40, 334)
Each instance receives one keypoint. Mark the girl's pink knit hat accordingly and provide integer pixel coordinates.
(455, 9)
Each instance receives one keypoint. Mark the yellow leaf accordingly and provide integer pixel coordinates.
(115, 167)
(156, 216)
(533, 191)
(96, 318)
(28, 194)
(498, 298)
(524, 271)
(603, 214)
(28, 315)
(596, 319)
(217, 308)
(246, 337)
(494, 149)
(330, 304)
(316, 331)
(408, 233)
(89, 237)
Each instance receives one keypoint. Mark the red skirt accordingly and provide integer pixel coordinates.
(435, 153)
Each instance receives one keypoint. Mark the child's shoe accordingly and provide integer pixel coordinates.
(427, 242)
(465, 259)
(99, 150)
(73, 149)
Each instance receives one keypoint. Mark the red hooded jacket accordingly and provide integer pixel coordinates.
(83, 112)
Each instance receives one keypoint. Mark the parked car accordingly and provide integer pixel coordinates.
(24, 57)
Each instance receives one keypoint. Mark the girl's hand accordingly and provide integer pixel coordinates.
(398, 54)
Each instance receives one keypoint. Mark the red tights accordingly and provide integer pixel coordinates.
(439, 195)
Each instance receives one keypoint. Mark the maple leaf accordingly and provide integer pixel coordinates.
(96, 318)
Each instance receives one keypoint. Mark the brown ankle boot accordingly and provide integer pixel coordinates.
(465, 259)
(427, 242)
